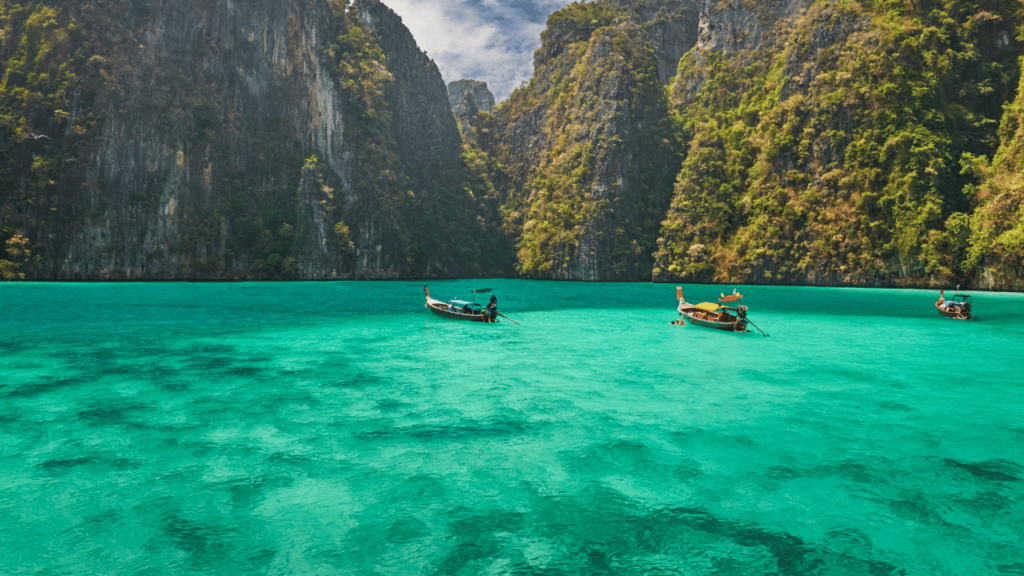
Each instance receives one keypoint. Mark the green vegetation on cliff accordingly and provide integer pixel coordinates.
(833, 154)
(456, 231)
(582, 17)
(34, 76)
(997, 228)
(68, 72)
(367, 86)
(589, 204)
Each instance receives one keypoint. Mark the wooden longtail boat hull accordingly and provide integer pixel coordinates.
(438, 308)
(437, 311)
(945, 313)
(738, 326)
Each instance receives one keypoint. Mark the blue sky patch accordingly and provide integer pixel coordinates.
(489, 40)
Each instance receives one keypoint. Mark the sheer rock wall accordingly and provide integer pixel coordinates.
(188, 128)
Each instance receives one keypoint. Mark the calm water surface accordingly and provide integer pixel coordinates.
(339, 428)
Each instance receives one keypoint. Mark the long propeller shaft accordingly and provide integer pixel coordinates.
(509, 319)
(758, 329)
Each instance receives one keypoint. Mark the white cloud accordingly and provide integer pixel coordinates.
(489, 40)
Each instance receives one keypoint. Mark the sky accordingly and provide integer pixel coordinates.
(489, 40)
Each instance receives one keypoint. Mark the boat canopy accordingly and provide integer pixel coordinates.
(463, 303)
(957, 296)
(709, 306)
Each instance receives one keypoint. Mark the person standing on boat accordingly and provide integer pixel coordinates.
(492, 309)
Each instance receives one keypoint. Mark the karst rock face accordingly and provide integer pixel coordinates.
(670, 27)
(996, 229)
(468, 98)
(482, 97)
(810, 160)
(726, 27)
(427, 135)
(589, 143)
(790, 141)
(811, 143)
(177, 147)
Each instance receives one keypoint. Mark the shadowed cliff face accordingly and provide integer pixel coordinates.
(199, 104)
(257, 76)
(427, 135)
(176, 146)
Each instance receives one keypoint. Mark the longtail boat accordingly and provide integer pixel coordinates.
(459, 310)
(718, 316)
(959, 308)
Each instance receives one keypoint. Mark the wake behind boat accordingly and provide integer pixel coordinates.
(462, 310)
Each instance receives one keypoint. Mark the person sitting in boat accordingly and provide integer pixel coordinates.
(466, 309)
(492, 308)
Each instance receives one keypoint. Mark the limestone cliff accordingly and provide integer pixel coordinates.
(823, 142)
(788, 141)
(736, 26)
(168, 140)
(826, 144)
(483, 99)
(991, 241)
(670, 28)
(589, 148)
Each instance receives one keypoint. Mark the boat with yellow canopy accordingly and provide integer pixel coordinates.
(720, 316)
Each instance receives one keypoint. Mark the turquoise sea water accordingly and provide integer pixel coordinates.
(339, 428)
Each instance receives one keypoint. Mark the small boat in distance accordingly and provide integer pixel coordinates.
(459, 310)
(718, 316)
(959, 308)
